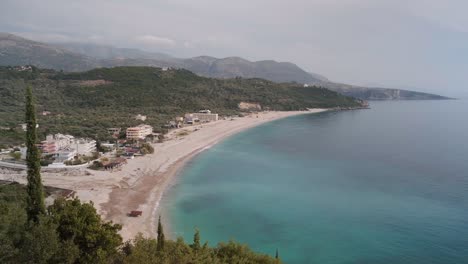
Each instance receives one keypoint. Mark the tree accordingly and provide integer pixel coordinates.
(196, 240)
(15, 155)
(161, 237)
(35, 199)
(79, 223)
(40, 242)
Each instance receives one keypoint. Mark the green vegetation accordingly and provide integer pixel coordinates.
(73, 232)
(35, 199)
(86, 104)
(15, 155)
(146, 148)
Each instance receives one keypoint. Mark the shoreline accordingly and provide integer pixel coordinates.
(141, 183)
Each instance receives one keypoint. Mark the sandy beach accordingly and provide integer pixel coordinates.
(140, 184)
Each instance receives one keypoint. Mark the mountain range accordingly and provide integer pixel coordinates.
(70, 57)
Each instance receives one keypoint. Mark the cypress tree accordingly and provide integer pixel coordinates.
(277, 255)
(35, 198)
(161, 238)
(196, 240)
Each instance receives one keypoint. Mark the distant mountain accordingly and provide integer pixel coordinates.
(15, 50)
(107, 52)
(238, 67)
(374, 93)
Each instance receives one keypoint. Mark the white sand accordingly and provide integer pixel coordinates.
(139, 185)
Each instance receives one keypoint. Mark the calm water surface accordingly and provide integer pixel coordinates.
(386, 185)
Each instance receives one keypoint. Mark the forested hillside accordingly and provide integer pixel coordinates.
(87, 103)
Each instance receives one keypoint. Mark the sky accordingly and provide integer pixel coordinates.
(414, 44)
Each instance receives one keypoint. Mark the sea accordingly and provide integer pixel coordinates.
(383, 185)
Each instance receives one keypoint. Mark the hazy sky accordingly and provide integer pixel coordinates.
(416, 44)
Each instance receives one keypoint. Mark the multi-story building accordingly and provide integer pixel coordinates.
(54, 143)
(202, 116)
(139, 132)
(84, 146)
(59, 143)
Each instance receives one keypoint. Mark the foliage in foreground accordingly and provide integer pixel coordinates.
(72, 232)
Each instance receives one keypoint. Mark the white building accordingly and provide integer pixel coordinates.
(139, 132)
(202, 117)
(54, 143)
(58, 143)
(84, 146)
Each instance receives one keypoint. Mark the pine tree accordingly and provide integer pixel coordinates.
(161, 238)
(35, 198)
(196, 240)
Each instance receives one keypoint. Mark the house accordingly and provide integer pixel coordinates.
(139, 132)
(46, 113)
(114, 131)
(24, 126)
(140, 117)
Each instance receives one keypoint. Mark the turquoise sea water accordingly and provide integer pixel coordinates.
(386, 185)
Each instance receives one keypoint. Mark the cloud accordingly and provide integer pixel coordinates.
(46, 37)
(418, 43)
(155, 40)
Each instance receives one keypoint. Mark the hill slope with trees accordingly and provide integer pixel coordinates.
(15, 51)
(87, 103)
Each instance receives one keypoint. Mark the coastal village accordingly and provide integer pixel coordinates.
(63, 151)
(122, 177)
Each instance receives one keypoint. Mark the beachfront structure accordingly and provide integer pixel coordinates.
(202, 117)
(139, 132)
(54, 143)
(190, 119)
(59, 143)
(84, 146)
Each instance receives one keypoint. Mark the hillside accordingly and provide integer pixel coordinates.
(106, 52)
(380, 93)
(87, 103)
(15, 51)
(235, 66)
